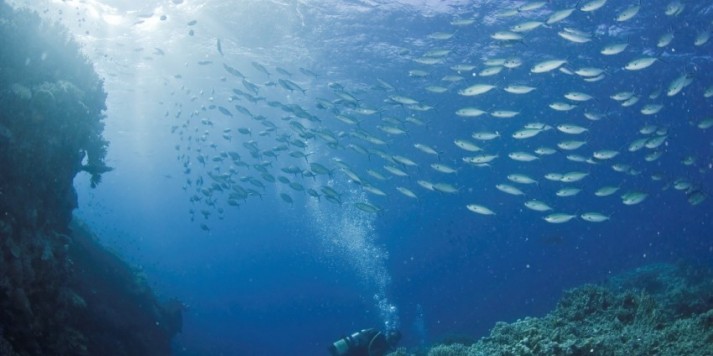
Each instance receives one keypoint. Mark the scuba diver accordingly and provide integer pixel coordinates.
(367, 342)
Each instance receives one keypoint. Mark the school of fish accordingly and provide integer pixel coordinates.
(538, 123)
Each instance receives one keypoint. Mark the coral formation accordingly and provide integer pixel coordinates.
(60, 292)
(113, 303)
(51, 119)
(659, 309)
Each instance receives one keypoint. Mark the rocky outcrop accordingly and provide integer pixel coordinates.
(654, 310)
(60, 292)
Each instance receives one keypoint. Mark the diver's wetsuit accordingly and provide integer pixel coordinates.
(368, 342)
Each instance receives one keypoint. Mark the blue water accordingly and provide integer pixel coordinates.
(274, 278)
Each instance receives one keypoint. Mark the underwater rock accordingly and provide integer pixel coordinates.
(51, 119)
(658, 309)
(61, 293)
(112, 301)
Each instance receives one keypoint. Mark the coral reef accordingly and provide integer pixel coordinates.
(659, 309)
(51, 120)
(117, 311)
(60, 292)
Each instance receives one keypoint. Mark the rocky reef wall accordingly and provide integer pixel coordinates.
(61, 293)
(658, 309)
(51, 120)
